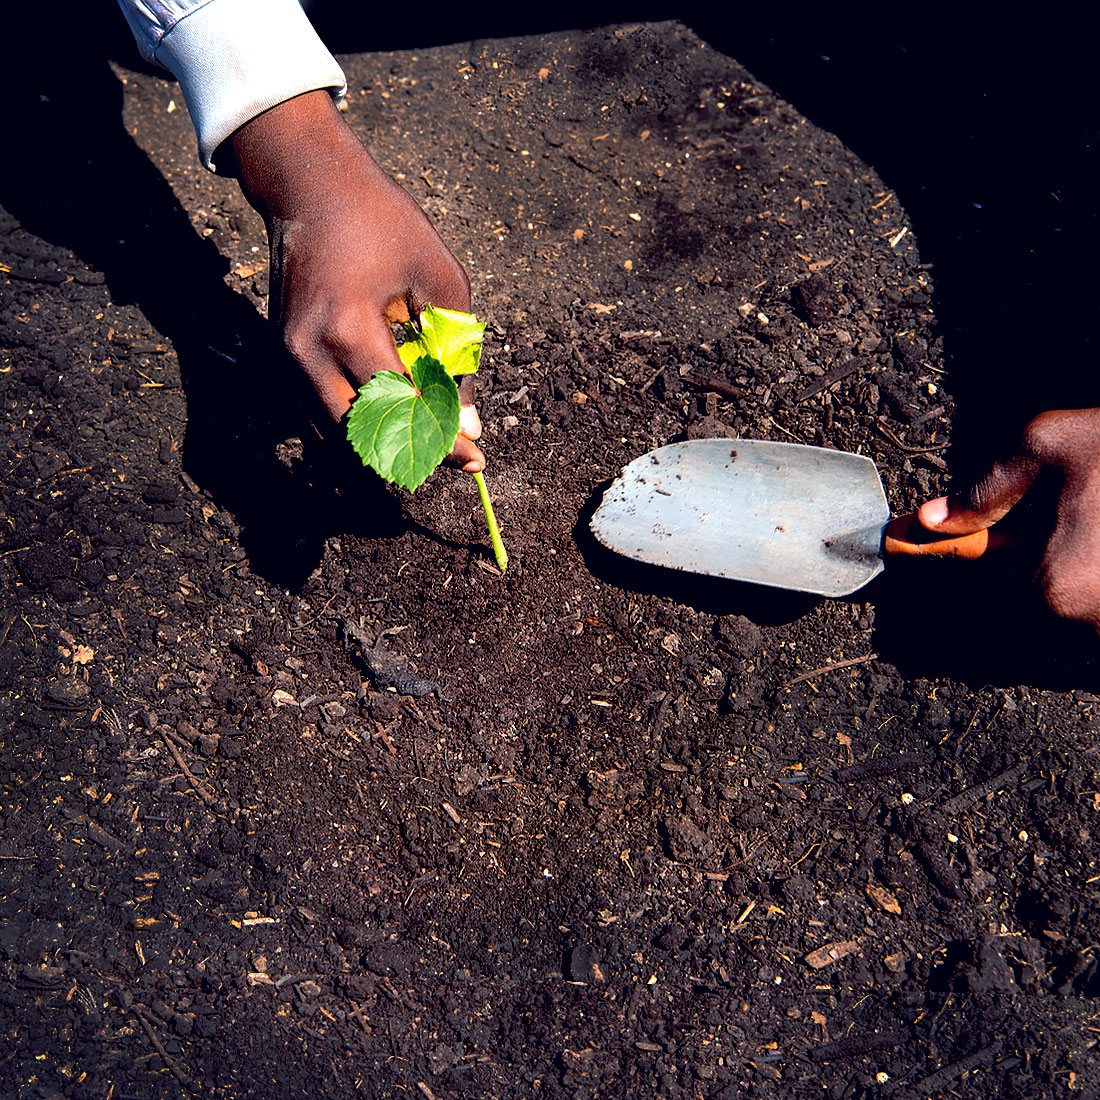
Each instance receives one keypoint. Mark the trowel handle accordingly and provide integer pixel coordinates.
(908, 536)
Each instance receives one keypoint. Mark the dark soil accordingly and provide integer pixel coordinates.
(626, 833)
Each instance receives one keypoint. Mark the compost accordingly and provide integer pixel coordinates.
(301, 797)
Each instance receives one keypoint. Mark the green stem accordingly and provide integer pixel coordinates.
(490, 518)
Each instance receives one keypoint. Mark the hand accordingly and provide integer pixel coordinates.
(1066, 443)
(351, 253)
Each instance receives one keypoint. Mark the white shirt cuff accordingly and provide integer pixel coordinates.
(235, 59)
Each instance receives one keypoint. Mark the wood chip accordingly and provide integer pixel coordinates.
(884, 899)
(104, 838)
(831, 953)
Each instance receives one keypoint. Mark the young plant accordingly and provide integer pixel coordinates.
(403, 426)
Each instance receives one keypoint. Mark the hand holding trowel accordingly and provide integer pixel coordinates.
(779, 514)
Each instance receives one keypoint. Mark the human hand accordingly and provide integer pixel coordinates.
(1067, 443)
(351, 253)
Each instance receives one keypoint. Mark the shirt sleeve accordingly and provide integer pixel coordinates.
(233, 58)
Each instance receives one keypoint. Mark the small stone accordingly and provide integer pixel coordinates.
(895, 963)
(68, 691)
(187, 731)
(582, 964)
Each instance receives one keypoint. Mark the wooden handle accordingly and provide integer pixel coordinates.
(907, 536)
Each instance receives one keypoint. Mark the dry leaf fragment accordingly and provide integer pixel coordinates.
(283, 698)
(831, 953)
(83, 654)
(884, 899)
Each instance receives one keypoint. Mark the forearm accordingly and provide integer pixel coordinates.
(234, 59)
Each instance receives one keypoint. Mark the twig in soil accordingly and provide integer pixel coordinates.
(785, 431)
(934, 1082)
(310, 622)
(855, 1046)
(975, 794)
(705, 381)
(652, 378)
(969, 727)
(662, 715)
(176, 1072)
(876, 769)
(200, 790)
(939, 867)
(930, 449)
(830, 378)
(830, 668)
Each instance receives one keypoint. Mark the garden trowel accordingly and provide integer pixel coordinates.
(779, 514)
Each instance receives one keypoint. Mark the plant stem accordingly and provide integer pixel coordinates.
(490, 518)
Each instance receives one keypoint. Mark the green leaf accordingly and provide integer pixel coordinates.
(452, 338)
(403, 428)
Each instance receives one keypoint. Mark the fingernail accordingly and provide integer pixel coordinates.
(934, 512)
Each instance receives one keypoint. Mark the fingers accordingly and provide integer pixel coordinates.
(342, 350)
(1066, 441)
(988, 499)
(327, 378)
(466, 456)
(358, 348)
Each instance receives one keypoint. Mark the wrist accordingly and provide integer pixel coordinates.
(279, 155)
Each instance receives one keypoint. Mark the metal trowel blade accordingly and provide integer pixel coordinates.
(781, 514)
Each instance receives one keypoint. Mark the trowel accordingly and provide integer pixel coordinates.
(786, 515)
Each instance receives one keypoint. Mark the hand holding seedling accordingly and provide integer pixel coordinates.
(351, 252)
(402, 426)
(1065, 444)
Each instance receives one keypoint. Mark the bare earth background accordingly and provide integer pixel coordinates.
(300, 798)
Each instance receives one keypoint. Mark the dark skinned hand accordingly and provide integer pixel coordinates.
(1067, 444)
(351, 253)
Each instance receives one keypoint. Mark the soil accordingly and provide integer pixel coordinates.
(300, 797)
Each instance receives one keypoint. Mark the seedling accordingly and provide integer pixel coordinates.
(403, 426)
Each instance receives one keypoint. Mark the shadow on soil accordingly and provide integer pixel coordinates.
(85, 185)
(986, 621)
(994, 237)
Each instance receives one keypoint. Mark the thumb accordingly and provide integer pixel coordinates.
(987, 500)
